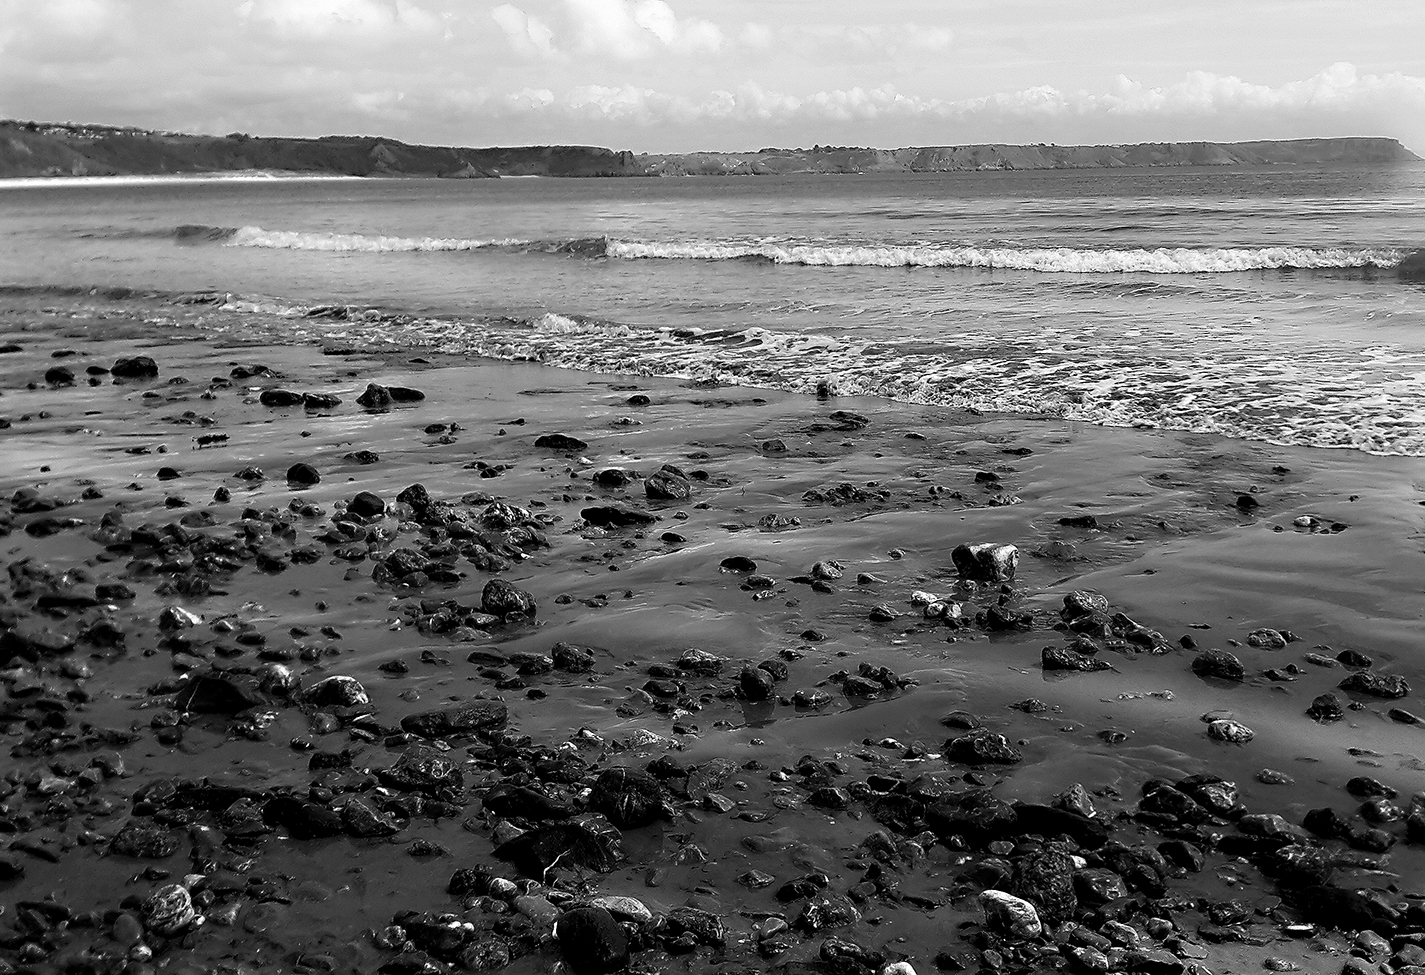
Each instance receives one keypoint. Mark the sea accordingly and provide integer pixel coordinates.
(1256, 303)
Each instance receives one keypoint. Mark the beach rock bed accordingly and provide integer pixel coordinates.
(375, 720)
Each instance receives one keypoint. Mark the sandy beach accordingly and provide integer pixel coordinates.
(174, 604)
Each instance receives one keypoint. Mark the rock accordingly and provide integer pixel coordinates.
(963, 720)
(616, 516)
(1098, 886)
(279, 398)
(320, 401)
(519, 802)
(1326, 708)
(1051, 821)
(1047, 879)
(364, 822)
(575, 660)
(1272, 828)
(459, 719)
(982, 747)
(592, 941)
(1009, 915)
(303, 820)
(560, 442)
(701, 662)
(586, 843)
(989, 562)
(145, 842)
(423, 769)
(629, 798)
(1154, 962)
(1065, 658)
(1219, 664)
(362, 457)
(1296, 866)
(1266, 638)
(303, 474)
(366, 505)
(379, 397)
(755, 683)
(826, 911)
(1080, 603)
(668, 483)
(169, 911)
(976, 817)
(219, 693)
(59, 376)
(704, 926)
(500, 598)
(134, 367)
(1230, 731)
(336, 691)
(1075, 799)
(1376, 685)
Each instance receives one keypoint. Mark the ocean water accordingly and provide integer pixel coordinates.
(1255, 303)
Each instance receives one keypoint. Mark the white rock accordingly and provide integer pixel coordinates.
(624, 908)
(1233, 731)
(1009, 914)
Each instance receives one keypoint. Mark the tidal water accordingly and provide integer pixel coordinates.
(1255, 303)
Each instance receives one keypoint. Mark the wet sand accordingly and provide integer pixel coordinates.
(1174, 549)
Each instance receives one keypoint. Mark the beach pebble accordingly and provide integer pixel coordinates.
(169, 911)
(668, 483)
(500, 598)
(279, 398)
(1326, 708)
(134, 367)
(988, 561)
(561, 442)
(366, 505)
(1227, 730)
(303, 474)
(1010, 915)
(1218, 663)
(1376, 685)
(337, 691)
(59, 376)
(982, 747)
(1266, 638)
(592, 941)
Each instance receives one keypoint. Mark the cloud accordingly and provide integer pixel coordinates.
(527, 33)
(316, 19)
(849, 42)
(634, 29)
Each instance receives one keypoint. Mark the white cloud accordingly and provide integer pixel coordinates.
(527, 33)
(319, 18)
(626, 30)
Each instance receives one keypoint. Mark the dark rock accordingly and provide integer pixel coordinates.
(962, 720)
(59, 376)
(320, 401)
(365, 822)
(1219, 664)
(337, 690)
(219, 693)
(145, 842)
(829, 797)
(581, 844)
(423, 769)
(1295, 865)
(1376, 685)
(1047, 880)
(1355, 659)
(456, 720)
(560, 442)
(826, 911)
(376, 397)
(571, 658)
(135, 367)
(303, 820)
(982, 747)
(1053, 821)
(1348, 910)
(1154, 962)
(1097, 886)
(518, 802)
(616, 516)
(630, 798)
(500, 598)
(1367, 788)
(978, 817)
(1182, 854)
(592, 942)
(367, 505)
(1326, 708)
(704, 926)
(755, 683)
(1064, 658)
(668, 483)
(303, 474)
(279, 398)
(362, 457)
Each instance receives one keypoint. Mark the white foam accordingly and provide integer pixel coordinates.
(1164, 260)
(299, 240)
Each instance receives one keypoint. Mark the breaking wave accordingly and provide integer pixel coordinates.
(1163, 260)
(1050, 260)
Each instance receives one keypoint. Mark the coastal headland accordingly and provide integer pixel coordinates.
(43, 149)
(324, 652)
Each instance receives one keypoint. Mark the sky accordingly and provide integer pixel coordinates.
(687, 75)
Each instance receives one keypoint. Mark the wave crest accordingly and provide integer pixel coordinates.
(1067, 260)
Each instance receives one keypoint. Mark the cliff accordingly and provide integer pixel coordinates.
(45, 149)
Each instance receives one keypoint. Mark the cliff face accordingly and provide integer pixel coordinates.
(943, 159)
(41, 149)
(38, 149)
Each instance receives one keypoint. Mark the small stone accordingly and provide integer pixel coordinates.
(1219, 664)
(1230, 731)
(169, 911)
(1010, 915)
(303, 474)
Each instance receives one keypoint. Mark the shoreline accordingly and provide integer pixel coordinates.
(1172, 548)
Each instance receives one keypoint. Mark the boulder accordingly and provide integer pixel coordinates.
(560, 442)
(1010, 916)
(630, 798)
(1219, 664)
(1376, 685)
(982, 747)
(591, 941)
(134, 367)
(500, 598)
(668, 483)
(986, 562)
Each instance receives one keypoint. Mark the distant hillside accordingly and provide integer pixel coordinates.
(45, 149)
